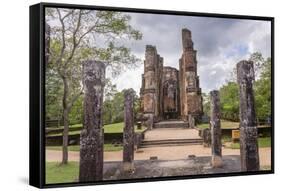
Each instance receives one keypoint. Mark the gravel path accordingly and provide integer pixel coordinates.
(164, 153)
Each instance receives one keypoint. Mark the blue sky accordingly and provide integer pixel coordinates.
(220, 44)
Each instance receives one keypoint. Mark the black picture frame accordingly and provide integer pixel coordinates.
(37, 92)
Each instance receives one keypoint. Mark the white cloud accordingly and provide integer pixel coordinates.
(220, 44)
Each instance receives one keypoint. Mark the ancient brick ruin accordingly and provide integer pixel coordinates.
(168, 93)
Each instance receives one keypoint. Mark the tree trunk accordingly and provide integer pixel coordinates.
(65, 137)
(65, 123)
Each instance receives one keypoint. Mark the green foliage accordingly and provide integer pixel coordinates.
(113, 110)
(206, 103)
(76, 112)
(78, 35)
(258, 61)
(262, 88)
(54, 94)
(229, 93)
(229, 100)
(113, 106)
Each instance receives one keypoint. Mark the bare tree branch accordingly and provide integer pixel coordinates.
(58, 61)
(74, 98)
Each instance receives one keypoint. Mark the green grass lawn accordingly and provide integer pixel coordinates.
(224, 125)
(203, 125)
(110, 128)
(263, 142)
(107, 147)
(265, 168)
(56, 173)
(226, 138)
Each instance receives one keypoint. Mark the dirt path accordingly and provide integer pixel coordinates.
(164, 153)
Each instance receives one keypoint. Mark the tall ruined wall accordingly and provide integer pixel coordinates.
(151, 83)
(190, 92)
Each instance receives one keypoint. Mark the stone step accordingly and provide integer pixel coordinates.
(171, 124)
(170, 142)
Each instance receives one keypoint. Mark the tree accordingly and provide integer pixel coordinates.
(229, 100)
(206, 103)
(113, 108)
(74, 35)
(109, 93)
(258, 61)
(53, 95)
(262, 89)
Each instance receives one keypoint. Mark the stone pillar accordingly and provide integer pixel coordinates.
(248, 130)
(128, 133)
(91, 138)
(215, 129)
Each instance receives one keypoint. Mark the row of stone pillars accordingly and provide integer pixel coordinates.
(92, 135)
(248, 130)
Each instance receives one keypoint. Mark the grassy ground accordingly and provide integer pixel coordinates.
(224, 125)
(118, 128)
(265, 168)
(107, 147)
(56, 173)
(110, 128)
(263, 142)
(226, 138)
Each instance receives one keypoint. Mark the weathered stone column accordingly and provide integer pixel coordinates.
(248, 130)
(215, 129)
(128, 133)
(91, 139)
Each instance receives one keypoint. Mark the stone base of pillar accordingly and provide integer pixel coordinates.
(128, 166)
(191, 121)
(91, 155)
(149, 120)
(217, 161)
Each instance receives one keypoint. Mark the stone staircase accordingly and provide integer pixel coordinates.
(170, 142)
(171, 124)
(171, 133)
